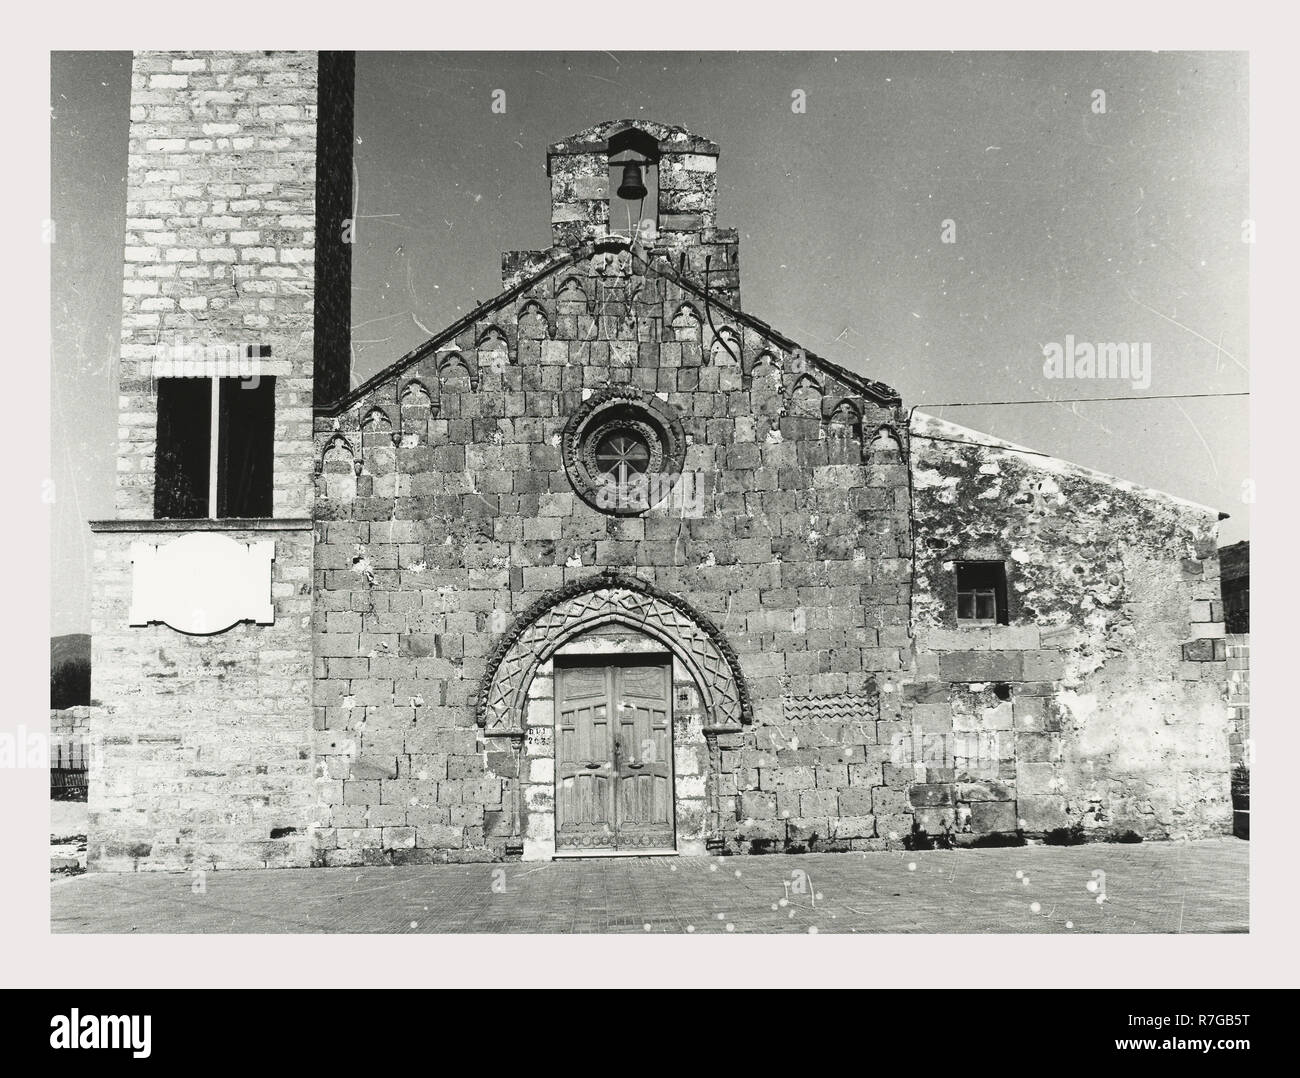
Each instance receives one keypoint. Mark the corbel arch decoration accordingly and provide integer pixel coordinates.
(885, 446)
(337, 469)
(491, 332)
(493, 339)
(415, 394)
(375, 420)
(766, 362)
(725, 350)
(571, 292)
(453, 364)
(687, 323)
(844, 414)
(805, 396)
(534, 321)
(611, 598)
(336, 450)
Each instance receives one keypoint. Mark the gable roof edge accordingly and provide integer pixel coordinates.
(421, 351)
(877, 391)
(922, 425)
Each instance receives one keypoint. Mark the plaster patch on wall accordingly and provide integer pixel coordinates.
(201, 583)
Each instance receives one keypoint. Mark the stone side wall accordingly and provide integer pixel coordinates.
(1102, 702)
(206, 739)
(1238, 645)
(445, 511)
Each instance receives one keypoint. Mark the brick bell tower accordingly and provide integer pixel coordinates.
(235, 315)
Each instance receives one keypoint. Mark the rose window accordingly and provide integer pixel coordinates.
(622, 455)
(622, 451)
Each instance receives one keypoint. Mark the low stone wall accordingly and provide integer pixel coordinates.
(71, 726)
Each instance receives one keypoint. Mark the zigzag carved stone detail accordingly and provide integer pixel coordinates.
(831, 708)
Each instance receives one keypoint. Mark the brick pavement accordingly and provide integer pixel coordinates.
(1197, 886)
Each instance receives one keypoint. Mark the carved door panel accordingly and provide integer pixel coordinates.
(643, 756)
(613, 756)
(584, 762)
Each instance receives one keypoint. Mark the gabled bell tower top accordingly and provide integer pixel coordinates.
(683, 167)
(667, 137)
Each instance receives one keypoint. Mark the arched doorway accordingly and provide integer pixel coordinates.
(614, 762)
(613, 692)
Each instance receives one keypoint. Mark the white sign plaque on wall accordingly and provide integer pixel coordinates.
(201, 583)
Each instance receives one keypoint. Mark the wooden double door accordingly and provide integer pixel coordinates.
(613, 754)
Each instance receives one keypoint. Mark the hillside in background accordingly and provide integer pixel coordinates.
(69, 670)
(72, 646)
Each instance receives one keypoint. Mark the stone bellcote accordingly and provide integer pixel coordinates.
(677, 218)
(682, 166)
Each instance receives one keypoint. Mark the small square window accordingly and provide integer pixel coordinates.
(982, 592)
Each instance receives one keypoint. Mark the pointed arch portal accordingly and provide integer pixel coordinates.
(607, 599)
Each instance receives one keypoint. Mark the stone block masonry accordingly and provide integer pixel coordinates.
(446, 553)
(220, 244)
(445, 511)
(207, 739)
(1102, 702)
(72, 725)
(1237, 651)
(72, 751)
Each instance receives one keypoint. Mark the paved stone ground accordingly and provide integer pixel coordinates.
(1153, 887)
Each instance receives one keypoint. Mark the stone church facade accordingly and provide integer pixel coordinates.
(609, 566)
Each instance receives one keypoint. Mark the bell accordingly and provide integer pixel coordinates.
(632, 188)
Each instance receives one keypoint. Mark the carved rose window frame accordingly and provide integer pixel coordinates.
(644, 418)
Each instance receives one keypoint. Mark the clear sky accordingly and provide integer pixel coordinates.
(1117, 226)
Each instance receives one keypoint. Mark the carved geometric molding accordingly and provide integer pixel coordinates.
(201, 583)
(623, 410)
(611, 598)
(838, 707)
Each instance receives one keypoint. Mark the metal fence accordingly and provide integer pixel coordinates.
(68, 766)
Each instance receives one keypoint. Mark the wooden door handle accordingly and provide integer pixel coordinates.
(592, 765)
